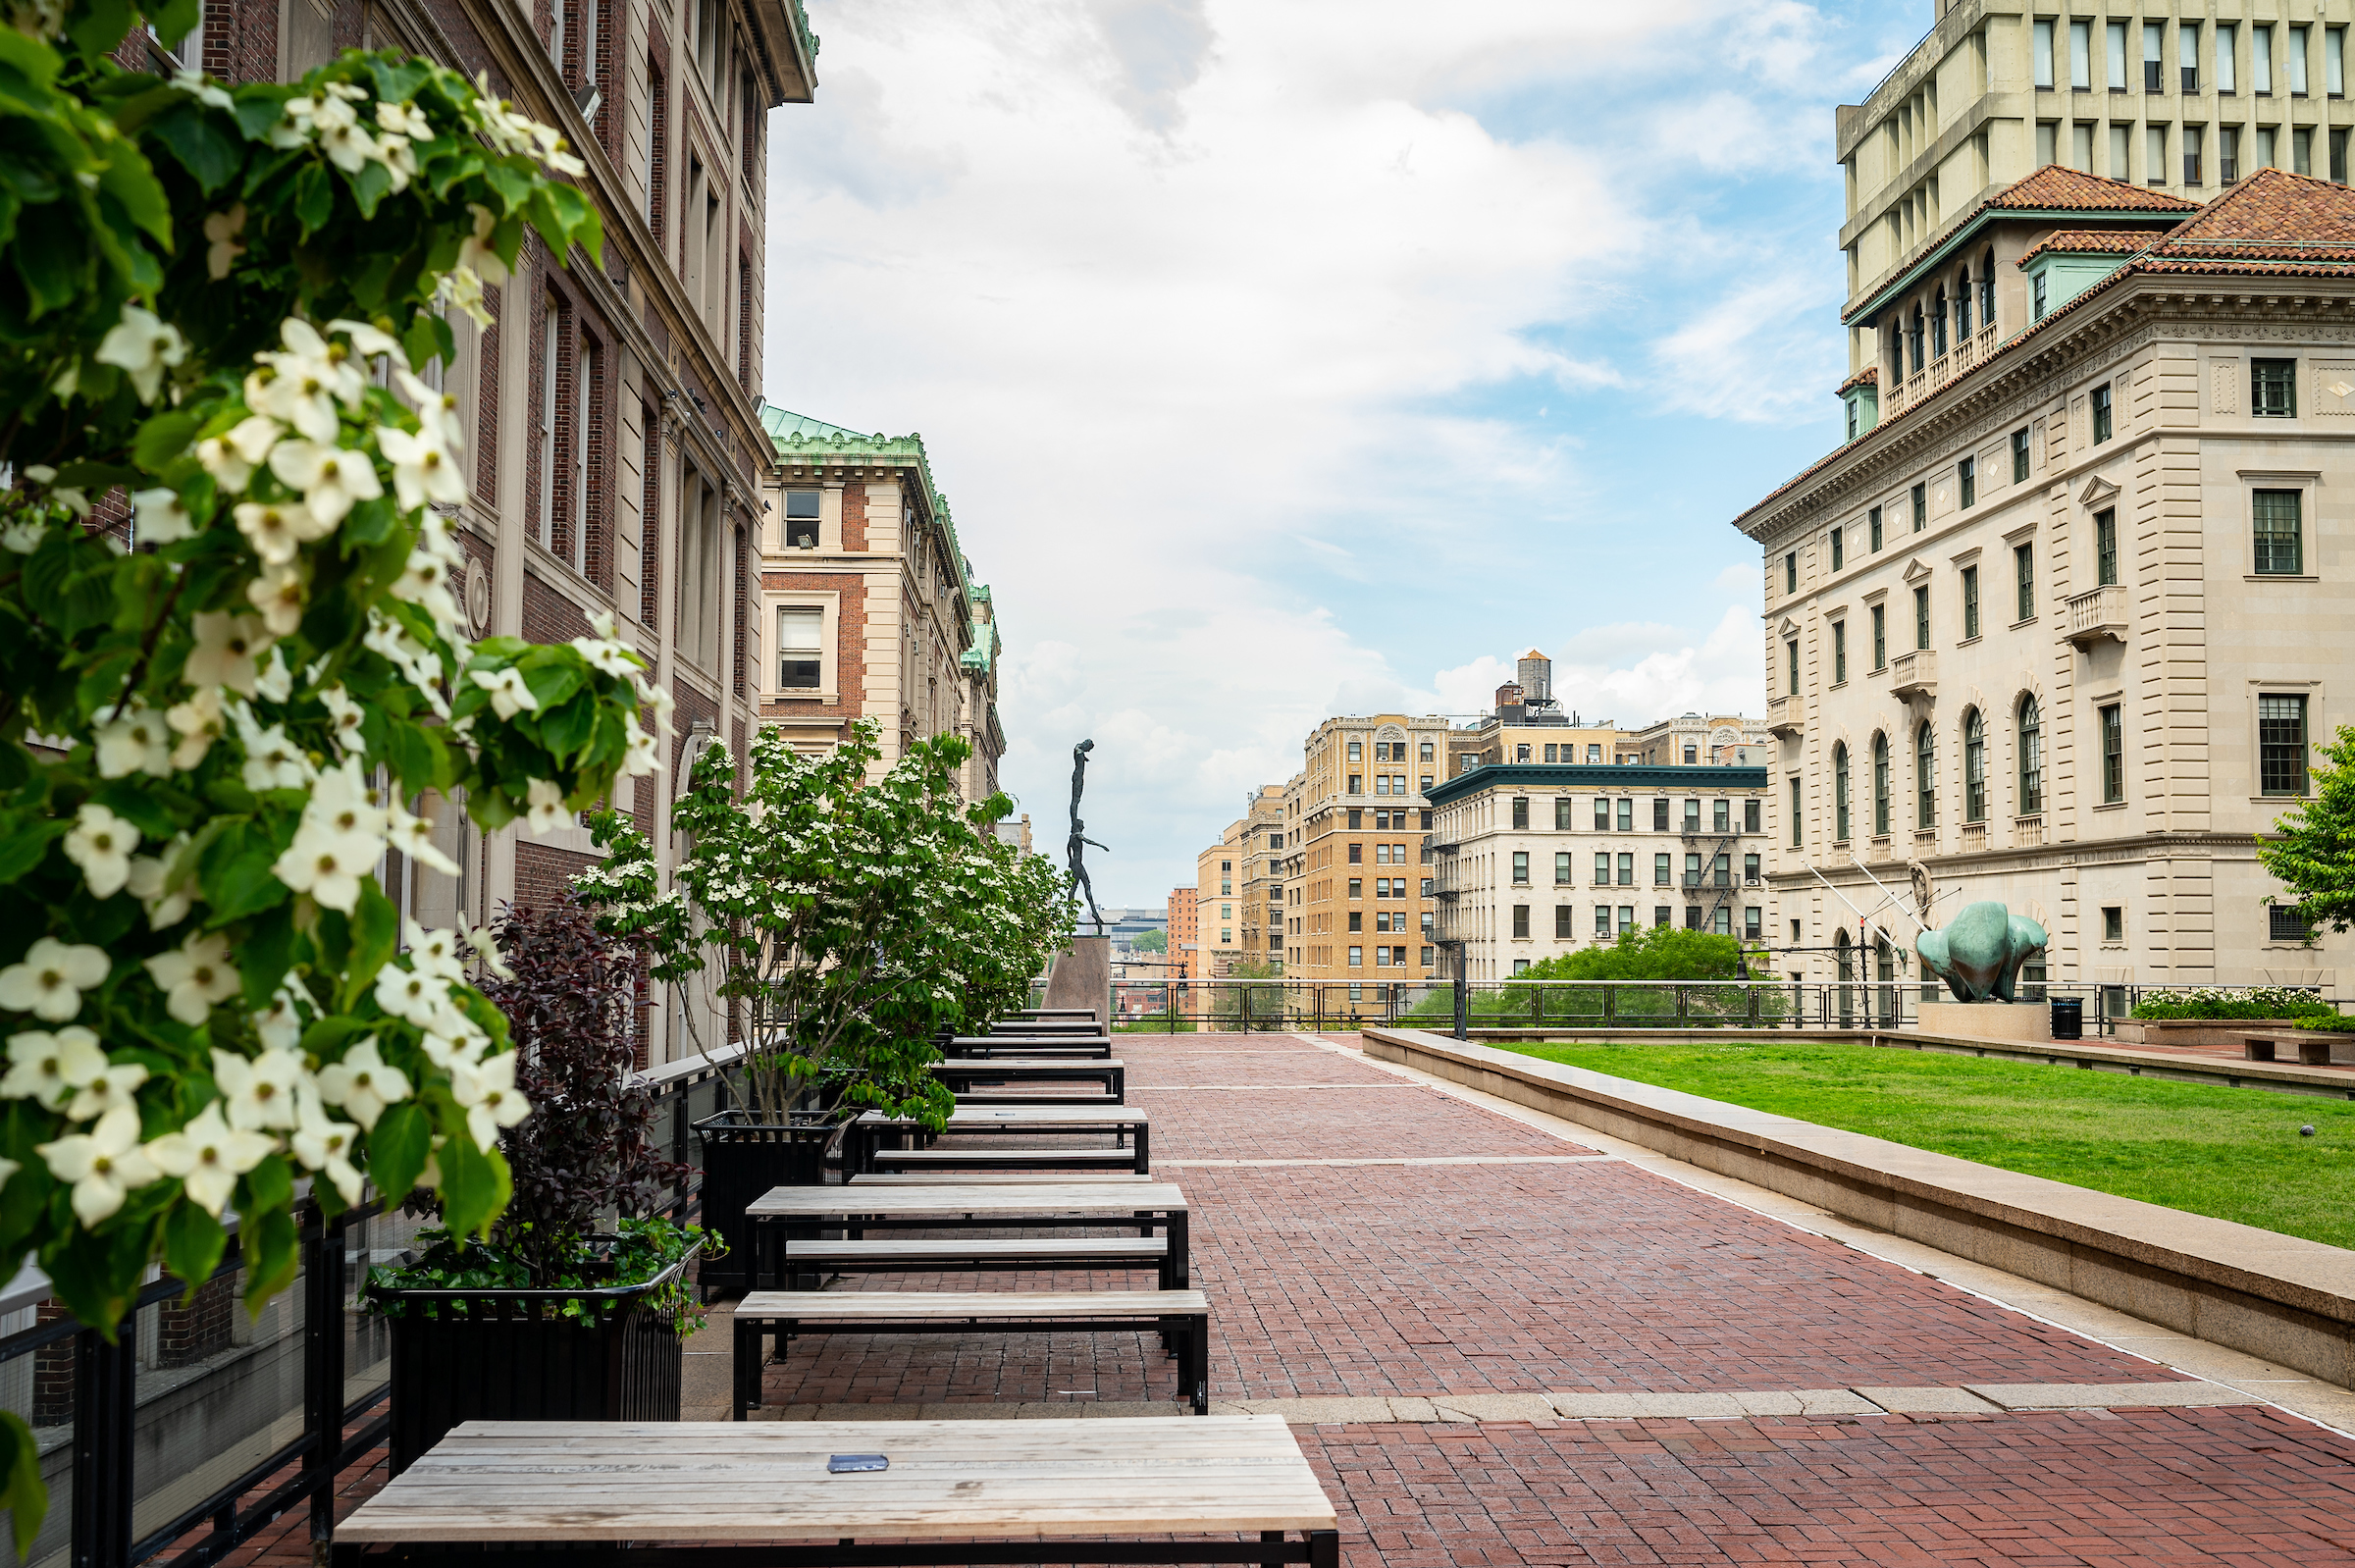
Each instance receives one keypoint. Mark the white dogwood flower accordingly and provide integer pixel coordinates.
(136, 740)
(194, 977)
(437, 411)
(433, 951)
(328, 866)
(259, 1091)
(487, 1089)
(166, 888)
(485, 943)
(280, 1024)
(228, 651)
(162, 516)
(144, 346)
(345, 804)
(279, 594)
(51, 1068)
(208, 1155)
(116, 1087)
(413, 836)
(100, 843)
(332, 479)
(643, 756)
(509, 696)
(362, 1083)
(220, 230)
(546, 812)
(277, 529)
(104, 1164)
(324, 1144)
(424, 469)
(412, 994)
(198, 723)
(476, 253)
(658, 700)
(49, 980)
(272, 762)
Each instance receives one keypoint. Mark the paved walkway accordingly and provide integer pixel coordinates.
(1501, 1347)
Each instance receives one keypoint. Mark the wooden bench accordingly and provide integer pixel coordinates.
(804, 1259)
(872, 1135)
(1181, 1317)
(1005, 1178)
(1129, 1160)
(1025, 1491)
(1059, 1047)
(860, 1209)
(964, 1079)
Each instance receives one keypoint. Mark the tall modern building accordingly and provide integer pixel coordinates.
(2172, 98)
(869, 599)
(2064, 625)
(617, 457)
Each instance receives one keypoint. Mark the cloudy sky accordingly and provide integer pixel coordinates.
(1282, 358)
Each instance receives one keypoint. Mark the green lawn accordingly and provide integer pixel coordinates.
(2231, 1153)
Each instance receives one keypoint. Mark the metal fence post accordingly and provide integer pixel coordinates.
(104, 1412)
(322, 1378)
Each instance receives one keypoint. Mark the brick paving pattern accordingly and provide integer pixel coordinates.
(1464, 1279)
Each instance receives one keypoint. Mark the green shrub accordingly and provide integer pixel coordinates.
(2238, 1002)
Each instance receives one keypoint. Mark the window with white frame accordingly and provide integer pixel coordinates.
(801, 649)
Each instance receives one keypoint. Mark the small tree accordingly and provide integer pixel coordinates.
(1150, 942)
(1651, 953)
(2313, 852)
(841, 921)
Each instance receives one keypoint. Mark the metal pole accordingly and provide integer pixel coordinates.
(104, 1413)
(322, 1378)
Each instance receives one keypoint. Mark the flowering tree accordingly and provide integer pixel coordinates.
(845, 920)
(216, 302)
(2314, 853)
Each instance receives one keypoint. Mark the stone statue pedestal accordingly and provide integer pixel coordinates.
(1082, 976)
(2028, 1021)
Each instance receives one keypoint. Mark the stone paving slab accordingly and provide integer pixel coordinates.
(1929, 1401)
(2085, 1396)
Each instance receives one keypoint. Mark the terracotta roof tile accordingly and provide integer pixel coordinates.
(2053, 188)
(2094, 241)
(1869, 376)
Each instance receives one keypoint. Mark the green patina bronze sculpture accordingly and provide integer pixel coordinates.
(1979, 953)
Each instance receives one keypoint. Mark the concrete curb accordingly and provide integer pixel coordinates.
(2284, 1298)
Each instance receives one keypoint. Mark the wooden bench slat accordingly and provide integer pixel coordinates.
(1154, 1247)
(1007, 1179)
(984, 1158)
(837, 1306)
(948, 1197)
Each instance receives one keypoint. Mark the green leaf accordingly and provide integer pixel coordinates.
(264, 953)
(81, 1269)
(210, 154)
(371, 186)
(52, 264)
(567, 729)
(397, 1146)
(374, 933)
(165, 438)
(235, 874)
(96, 26)
(475, 1185)
(314, 198)
(134, 800)
(22, 1493)
(193, 1241)
(272, 1248)
(269, 1185)
(174, 20)
(24, 843)
(131, 180)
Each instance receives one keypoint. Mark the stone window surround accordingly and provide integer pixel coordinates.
(2318, 723)
(829, 653)
(2307, 483)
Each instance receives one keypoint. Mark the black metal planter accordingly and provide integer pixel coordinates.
(742, 1158)
(514, 1355)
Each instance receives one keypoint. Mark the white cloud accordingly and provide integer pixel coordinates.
(1199, 305)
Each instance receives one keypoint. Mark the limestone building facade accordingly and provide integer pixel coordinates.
(868, 601)
(1532, 860)
(2066, 629)
(1361, 886)
(1217, 904)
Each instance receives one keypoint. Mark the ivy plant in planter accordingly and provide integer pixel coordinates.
(574, 1304)
(836, 919)
(230, 665)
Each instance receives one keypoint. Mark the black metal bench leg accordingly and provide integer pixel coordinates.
(1144, 1147)
(1324, 1549)
(746, 1366)
(1270, 1538)
(1200, 1339)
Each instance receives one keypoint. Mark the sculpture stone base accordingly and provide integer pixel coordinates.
(1990, 1020)
(1082, 976)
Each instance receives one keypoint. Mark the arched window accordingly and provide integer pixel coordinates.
(1987, 288)
(1938, 326)
(2031, 758)
(1974, 767)
(1880, 786)
(1914, 339)
(1840, 792)
(1844, 956)
(1962, 305)
(1925, 776)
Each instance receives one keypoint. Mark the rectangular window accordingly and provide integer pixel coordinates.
(1691, 817)
(2020, 457)
(2227, 153)
(2260, 59)
(1357, 887)
(1663, 872)
(1627, 817)
(1795, 818)
(1659, 817)
(1880, 637)
(1552, 753)
(2191, 154)
(1966, 482)
(2101, 413)
(1561, 868)
(1970, 602)
(1838, 651)
(2105, 546)
(1603, 920)
(2114, 753)
(2294, 63)
(1721, 816)
(2154, 35)
(2044, 54)
(1563, 926)
(1603, 814)
(798, 647)
(2281, 745)
(2154, 157)
(1921, 507)
(1357, 784)
(2080, 55)
(1561, 813)
(1750, 870)
(2037, 298)
(1754, 922)
(1357, 920)
(1603, 870)
(800, 519)
(1521, 812)
(2187, 56)
(1521, 868)
(1921, 616)
(2301, 151)
(1357, 957)
(1872, 521)
(1521, 921)
(2338, 157)
(2273, 388)
(1838, 558)
(2334, 62)
(2114, 57)
(2287, 922)
(1791, 660)
(1627, 870)
(1791, 572)
(2228, 39)
(2023, 579)
(2279, 546)
(1750, 814)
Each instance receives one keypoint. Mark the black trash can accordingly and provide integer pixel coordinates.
(2069, 1018)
